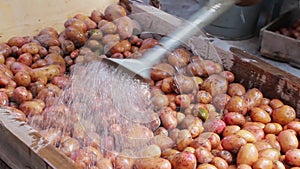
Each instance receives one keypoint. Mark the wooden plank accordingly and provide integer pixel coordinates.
(22, 147)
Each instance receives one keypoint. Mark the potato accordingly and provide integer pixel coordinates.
(180, 57)
(230, 130)
(48, 72)
(17, 41)
(236, 104)
(169, 154)
(183, 84)
(294, 125)
(262, 145)
(258, 132)
(272, 140)
(166, 85)
(219, 162)
(276, 103)
(104, 163)
(263, 163)
(259, 115)
(247, 154)
(184, 160)
(87, 20)
(213, 138)
(236, 89)
(31, 48)
(272, 128)
(204, 68)
(148, 43)
(247, 135)
(32, 107)
(108, 28)
(183, 139)
(152, 150)
(234, 118)
(79, 24)
(215, 84)
(278, 165)
(201, 142)
(253, 97)
(164, 142)
(149, 163)
(269, 153)
(161, 71)
(220, 100)
(195, 128)
(124, 27)
(123, 162)
(183, 101)
(203, 155)
(110, 38)
(69, 145)
(114, 11)
(17, 67)
(206, 166)
(292, 157)
(25, 58)
(233, 142)
(76, 35)
(204, 97)
(168, 118)
(287, 140)
(229, 76)
(243, 166)
(21, 94)
(284, 114)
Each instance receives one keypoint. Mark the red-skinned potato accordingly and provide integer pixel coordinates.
(16, 41)
(236, 104)
(161, 71)
(114, 11)
(48, 72)
(17, 66)
(31, 48)
(76, 23)
(179, 57)
(88, 22)
(292, 157)
(124, 27)
(234, 118)
(184, 160)
(25, 58)
(288, 140)
(215, 85)
(32, 107)
(149, 163)
(183, 84)
(233, 143)
(219, 162)
(21, 94)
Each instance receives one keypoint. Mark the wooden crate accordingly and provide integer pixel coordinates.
(22, 147)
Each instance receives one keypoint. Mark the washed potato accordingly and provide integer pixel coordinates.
(161, 71)
(149, 163)
(215, 84)
(288, 140)
(247, 154)
(270, 153)
(292, 157)
(284, 114)
(184, 160)
(179, 57)
(263, 163)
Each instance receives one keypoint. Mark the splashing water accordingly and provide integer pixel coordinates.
(110, 103)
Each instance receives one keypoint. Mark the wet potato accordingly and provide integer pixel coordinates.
(206, 118)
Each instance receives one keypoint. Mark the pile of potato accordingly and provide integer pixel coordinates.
(206, 119)
(292, 31)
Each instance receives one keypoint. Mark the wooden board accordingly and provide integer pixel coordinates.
(16, 141)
